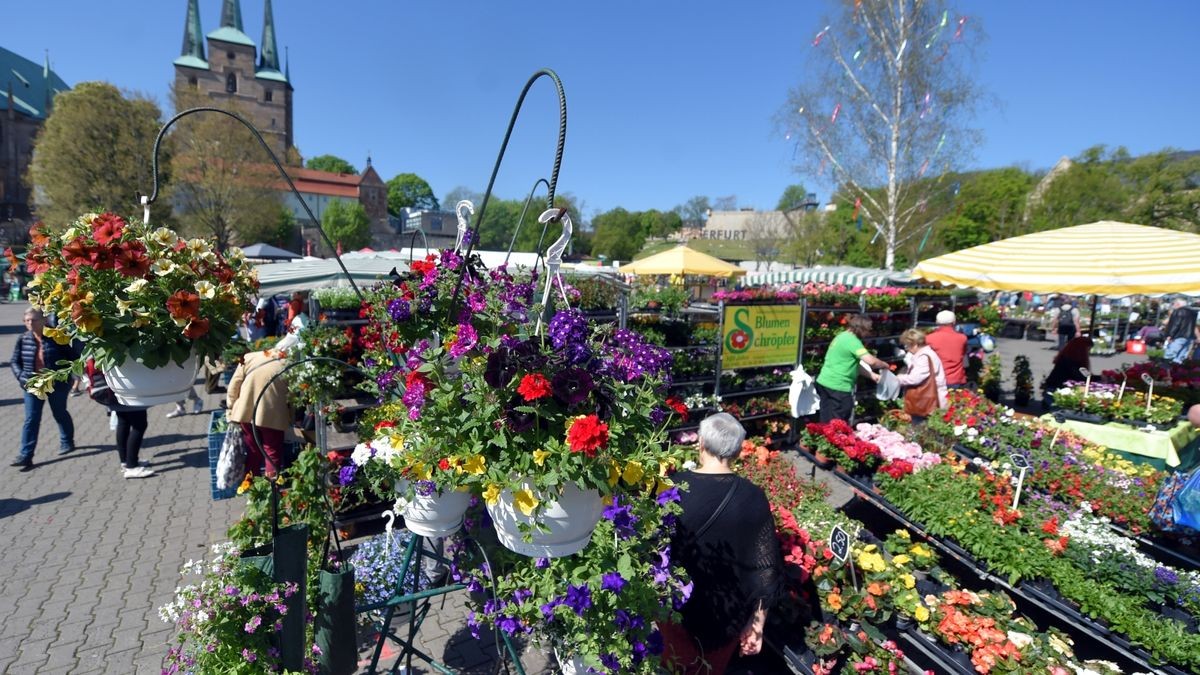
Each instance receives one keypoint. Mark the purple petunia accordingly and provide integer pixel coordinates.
(346, 474)
(622, 517)
(667, 496)
(399, 310)
(465, 340)
(612, 581)
(579, 598)
(610, 661)
(572, 386)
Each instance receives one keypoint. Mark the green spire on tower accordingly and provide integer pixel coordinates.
(268, 58)
(193, 43)
(231, 14)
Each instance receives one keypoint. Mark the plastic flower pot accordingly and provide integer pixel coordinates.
(433, 515)
(563, 527)
(136, 385)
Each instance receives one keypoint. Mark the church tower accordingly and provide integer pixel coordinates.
(236, 74)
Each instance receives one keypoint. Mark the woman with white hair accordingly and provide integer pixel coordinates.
(726, 541)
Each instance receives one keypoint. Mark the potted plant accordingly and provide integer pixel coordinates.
(318, 382)
(143, 302)
(1022, 381)
(989, 378)
(337, 304)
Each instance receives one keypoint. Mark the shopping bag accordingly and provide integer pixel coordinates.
(802, 395)
(231, 463)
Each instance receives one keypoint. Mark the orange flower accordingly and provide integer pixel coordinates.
(107, 227)
(184, 305)
(834, 600)
(196, 328)
(876, 588)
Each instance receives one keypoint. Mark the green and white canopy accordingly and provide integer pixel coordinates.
(847, 276)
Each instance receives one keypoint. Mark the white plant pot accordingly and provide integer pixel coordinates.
(435, 515)
(136, 385)
(575, 665)
(569, 522)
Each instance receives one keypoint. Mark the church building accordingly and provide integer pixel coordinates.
(236, 71)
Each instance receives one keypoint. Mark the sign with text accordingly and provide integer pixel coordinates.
(839, 543)
(760, 335)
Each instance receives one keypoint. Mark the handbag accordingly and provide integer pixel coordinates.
(231, 463)
(921, 400)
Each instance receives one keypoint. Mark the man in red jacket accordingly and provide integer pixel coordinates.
(951, 347)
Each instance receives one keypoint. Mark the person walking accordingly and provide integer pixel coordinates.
(272, 417)
(1181, 332)
(924, 364)
(839, 372)
(951, 348)
(1074, 355)
(32, 354)
(181, 405)
(130, 426)
(1066, 322)
(726, 541)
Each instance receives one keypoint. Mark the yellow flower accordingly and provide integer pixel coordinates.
(633, 472)
(89, 321)
(909, 581)
(57, 334)
(123, 306)
(422, 471)
(921, 614)
(539, 456)
(40, 385)
(525, 501)
(614, 474)
(871, 562)
(197, 246)
(245, 484)
(475, 465)
(206, 290)
(35, 282)
(921, 551)
(901, 559)
(492, 493)
(664, 466)
(142, 319)
(903, 534)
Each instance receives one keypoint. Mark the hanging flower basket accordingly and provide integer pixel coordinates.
(432, 514)
(563, 527)
(136, 385)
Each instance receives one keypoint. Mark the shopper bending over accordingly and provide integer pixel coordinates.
(839, 373)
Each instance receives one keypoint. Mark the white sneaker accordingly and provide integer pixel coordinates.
(139, 472)
(178, 411)
(121, 467)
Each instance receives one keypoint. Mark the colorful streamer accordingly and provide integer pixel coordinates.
(820, 36)
(901, 51)
(938, 30)
(925, 239)
(925, 106)
(836, 109)
(962, 20)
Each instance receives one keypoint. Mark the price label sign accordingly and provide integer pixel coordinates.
(1020, 461)
(1085, 372)
(839, 543)
(1147, 379)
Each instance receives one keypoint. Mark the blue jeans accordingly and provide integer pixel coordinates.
(33, 420)
(1177, 349)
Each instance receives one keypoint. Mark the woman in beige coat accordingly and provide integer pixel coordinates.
(273, 416)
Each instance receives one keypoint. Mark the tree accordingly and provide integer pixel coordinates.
(285, 236)
(331, 163)
(227, 185)
(887, 102)
(1091, 189)
(618, 235)
(408, 190)
(460, 193)
(347, 223)
(659, 224)
(727, 203)
(794, 197)
(766, 232)
(94, 154)
(1165, 190)
(500, 222)
(694, 210)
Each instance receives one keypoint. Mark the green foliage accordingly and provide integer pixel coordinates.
(286, 235)
(990, 378)
(347, 222)
(1090, 190)
(410, 190)
(337, 298)
(669, 298)
(620, 234)
(500, 222)
(93, 154)
(693, 210)
(793, 197)
(330, 163)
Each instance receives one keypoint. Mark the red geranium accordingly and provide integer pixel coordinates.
(587, 434)
(674, 403)
(533, 387)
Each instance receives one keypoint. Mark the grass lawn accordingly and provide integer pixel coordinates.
(733, 251)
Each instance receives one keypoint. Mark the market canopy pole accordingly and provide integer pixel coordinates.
(1105, 258)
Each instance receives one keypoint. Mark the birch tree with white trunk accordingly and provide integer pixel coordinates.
(884, 109)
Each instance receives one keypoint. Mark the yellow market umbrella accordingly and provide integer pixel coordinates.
(682, 260)
(1104, 258)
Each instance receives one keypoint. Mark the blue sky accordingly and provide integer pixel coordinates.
(666, 99)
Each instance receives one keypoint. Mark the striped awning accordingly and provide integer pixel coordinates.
(303, 275)
(1104, 258)
(847, 276)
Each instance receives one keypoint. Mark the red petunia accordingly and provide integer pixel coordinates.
(196, 328)
(107, 227)
(184, 305)
(533, 387)
(587, 434)
(385, 424)
(131, 260)
(77, 252)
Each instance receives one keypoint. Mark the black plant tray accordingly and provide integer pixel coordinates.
(922, 648)
(1076, 416)
(804, 452)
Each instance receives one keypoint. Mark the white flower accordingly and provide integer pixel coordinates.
(137, 285)
(972, 432)
(201, 616)
(206, 289)
(197, 246)
(1086, 506)
(1020, 640)
(163, 237)
(959, 429)
(361, 454)
(689, 465)
(162, 267)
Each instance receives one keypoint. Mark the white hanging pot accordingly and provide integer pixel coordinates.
(566, 523)
(136, 385)
(434, 515)
(574, 665)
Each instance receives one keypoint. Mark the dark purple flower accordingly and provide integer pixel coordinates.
(465, 340)
(658, 415)
(521, 595)
(519, 421)
(473, 625)
(572, 386)
(611, 663)
(667, 496)
(548, 608)
(477, 302)
(501, 368)
(346, 474)
(541, 563)
(1166, 575)
(508, 624)
(639, 652)
(399, 310)
(654, 642)
(579, 598)
(622, 518)
(612, 581)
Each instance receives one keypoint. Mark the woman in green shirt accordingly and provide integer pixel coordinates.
(835, 383)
